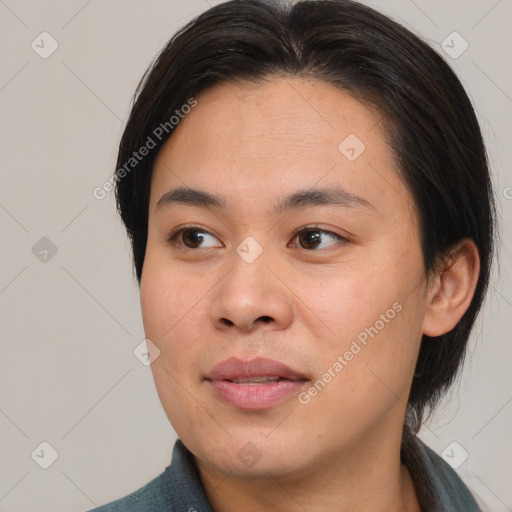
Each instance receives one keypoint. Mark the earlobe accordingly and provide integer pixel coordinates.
(451, 292)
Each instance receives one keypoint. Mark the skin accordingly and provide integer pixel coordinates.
(253, 145)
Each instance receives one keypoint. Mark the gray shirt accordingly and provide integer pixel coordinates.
(179, 488)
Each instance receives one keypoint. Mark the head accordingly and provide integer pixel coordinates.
(322, 113)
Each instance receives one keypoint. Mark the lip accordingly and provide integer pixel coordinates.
(255, 396)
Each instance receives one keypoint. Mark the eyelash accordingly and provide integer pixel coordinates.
(173, 238)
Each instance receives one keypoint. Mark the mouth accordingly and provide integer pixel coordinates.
(255, 384)
(255, 381)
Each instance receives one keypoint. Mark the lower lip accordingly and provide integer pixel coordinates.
(256, 396)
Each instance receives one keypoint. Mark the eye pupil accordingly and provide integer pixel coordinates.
(310, 238)
(192, 238)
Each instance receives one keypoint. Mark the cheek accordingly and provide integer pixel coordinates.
(167, 297)
(375, 361)
(172, 317)
(372, 321)
(172, 320)
(365, 378)
(349, 299)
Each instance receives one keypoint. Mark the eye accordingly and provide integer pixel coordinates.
(309, 237)
(193, 237)
(312, 237)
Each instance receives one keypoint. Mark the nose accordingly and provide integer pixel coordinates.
(251, 295)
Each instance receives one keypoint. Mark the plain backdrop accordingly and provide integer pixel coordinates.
(70, 307)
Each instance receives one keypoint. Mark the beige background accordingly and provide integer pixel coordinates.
(70, 324)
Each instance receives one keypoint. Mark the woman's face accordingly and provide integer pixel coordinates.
(338, 306)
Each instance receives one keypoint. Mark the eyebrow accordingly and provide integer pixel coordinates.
(317, 196)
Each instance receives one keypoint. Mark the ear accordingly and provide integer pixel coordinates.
(450, 293)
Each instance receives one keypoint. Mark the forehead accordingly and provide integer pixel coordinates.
(295, 110)
(244, 138)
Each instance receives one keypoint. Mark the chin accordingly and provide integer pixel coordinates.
(250, 455)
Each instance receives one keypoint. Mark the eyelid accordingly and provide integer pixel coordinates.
(316, 227)
(177, 231)
(308, 227)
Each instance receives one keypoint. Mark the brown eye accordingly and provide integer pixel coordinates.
(314, 238)
(194, 238)
(310, 239)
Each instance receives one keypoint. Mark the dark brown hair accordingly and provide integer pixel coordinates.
(431, 125)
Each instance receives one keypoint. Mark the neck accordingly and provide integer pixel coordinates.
(369, 480)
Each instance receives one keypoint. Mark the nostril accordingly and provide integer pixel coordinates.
(265, 319)
(226, 321)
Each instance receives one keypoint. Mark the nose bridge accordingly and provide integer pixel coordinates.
(250, 250)
(250, 293)
(248, 279)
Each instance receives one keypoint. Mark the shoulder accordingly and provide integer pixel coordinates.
(154, 496)
(451, 492)
(178, 488)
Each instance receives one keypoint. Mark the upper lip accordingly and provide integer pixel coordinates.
(234, 368)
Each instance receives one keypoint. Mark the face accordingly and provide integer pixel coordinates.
(287, 297)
